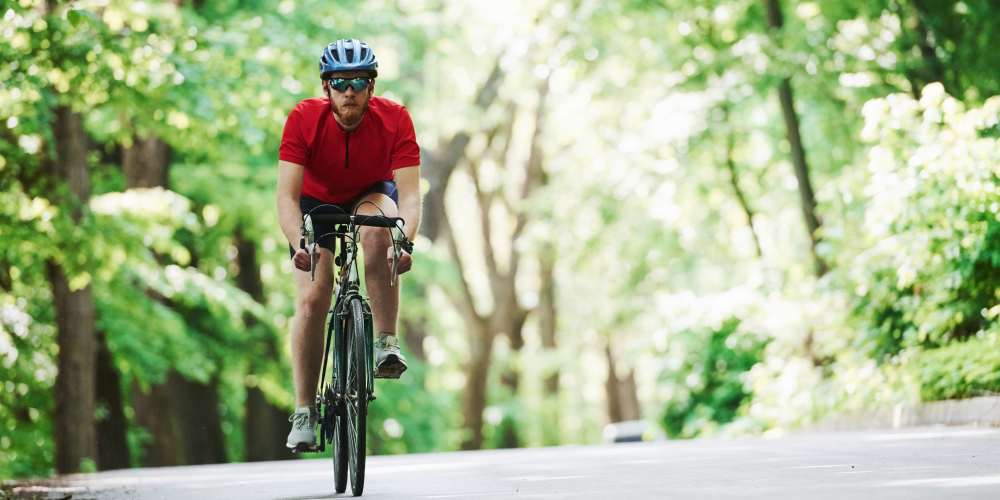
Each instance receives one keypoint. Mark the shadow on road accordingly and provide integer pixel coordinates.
(329, 496)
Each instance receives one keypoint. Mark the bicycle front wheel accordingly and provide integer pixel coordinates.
(337, 421)
(357, 395)
(339, 454)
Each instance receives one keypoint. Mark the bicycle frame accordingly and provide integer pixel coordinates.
(347, 286)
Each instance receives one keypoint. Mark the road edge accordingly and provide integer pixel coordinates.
(983, 411)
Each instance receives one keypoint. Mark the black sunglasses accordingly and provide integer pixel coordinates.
(358, 84)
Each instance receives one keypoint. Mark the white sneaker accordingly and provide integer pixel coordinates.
(303, 433)
(389, 362)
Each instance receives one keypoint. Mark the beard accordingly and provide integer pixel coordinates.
(350, 115)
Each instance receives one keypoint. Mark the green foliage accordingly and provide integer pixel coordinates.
(708, 388)
(408, 417)
(931, 258)
(27, 351)
(657, 109)
(960, 369)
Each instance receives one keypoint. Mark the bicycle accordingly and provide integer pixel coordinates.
(343, 402)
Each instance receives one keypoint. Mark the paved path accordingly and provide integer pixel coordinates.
(909, 464)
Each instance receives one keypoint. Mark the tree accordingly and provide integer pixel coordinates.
(75, 391)
(806, 195)
(506, 316)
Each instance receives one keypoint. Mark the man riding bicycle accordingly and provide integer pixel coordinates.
(364, 160)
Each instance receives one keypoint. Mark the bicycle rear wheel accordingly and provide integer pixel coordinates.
(358, 370)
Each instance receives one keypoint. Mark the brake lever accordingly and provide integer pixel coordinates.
(312, 263)
(399, 245)
(394, 276)
(308, 235)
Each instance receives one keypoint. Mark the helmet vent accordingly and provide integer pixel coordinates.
(348, 55)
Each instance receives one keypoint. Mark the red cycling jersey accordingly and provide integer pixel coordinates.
(340, 166)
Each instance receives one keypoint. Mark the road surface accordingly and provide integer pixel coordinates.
(908, 464)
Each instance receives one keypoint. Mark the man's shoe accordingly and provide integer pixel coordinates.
(389, 362)
(303, 434)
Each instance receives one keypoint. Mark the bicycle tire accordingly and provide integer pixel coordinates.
(356, 401)
(339, 454)
(339, 427)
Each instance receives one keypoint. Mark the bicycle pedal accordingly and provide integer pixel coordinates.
(390, 373)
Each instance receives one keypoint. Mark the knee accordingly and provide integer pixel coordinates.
(314, 301)
(375, 242)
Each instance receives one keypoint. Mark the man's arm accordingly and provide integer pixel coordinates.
(289, 187)
(408, 186)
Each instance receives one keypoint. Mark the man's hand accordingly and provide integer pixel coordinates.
(404, 263)
(301, 259)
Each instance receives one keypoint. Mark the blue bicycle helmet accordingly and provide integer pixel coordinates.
(347, 55)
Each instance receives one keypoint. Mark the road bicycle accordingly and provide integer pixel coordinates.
(343, 399)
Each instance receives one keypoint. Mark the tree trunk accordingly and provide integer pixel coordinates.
(112, 443)
(182, 418)
(196, 406)
(414, 332)
(547, 329)
(190, 431)
(477, 376)
(932, 70)
(511, 379)
(264, 429)
(264, 424)
(153, 413)
(75, 389)
(622, 396)
(548, 317)
(612, 389)
(630, 397)
(146, 162)
(807, 198)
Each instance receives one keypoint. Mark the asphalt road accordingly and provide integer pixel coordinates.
(910, 464)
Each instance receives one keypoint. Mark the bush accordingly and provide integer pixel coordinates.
(709, 384)
(959, 370)
(929, 262)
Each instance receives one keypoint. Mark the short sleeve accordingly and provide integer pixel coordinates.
(405, 152)
(294, 147)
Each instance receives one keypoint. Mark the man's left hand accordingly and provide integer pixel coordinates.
(405, 261)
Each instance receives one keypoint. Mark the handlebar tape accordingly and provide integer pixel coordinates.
(359, 220)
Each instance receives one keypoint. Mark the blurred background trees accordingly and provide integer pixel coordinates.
(719, 217)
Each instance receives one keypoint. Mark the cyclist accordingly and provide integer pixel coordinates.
(365, 160)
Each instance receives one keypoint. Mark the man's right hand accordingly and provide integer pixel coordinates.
(301, 259)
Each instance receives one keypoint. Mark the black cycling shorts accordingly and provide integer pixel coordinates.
(307, 203)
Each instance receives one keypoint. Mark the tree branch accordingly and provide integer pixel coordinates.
(464, 302)
(734, 181)
(438, 167)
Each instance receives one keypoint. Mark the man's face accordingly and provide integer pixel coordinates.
(349, 105)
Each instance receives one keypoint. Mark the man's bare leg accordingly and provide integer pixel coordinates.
(312, 303)
(376, 242)
(384, 298)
